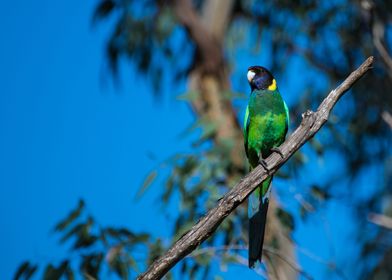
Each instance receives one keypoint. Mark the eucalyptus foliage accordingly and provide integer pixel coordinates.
(316, 42)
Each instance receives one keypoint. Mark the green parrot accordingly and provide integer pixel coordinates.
(265, 127)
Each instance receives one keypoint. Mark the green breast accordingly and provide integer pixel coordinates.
(267, 124)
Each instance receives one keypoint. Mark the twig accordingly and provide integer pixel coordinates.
(330, 265)
(270, 250)
(387, 117)
(206, 226)
(212, 250)
(240, 259)
(380, 220)
(266, 249)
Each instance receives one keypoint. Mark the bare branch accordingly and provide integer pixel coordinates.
(206, 226)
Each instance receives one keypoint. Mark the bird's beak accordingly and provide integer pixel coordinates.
(250, 75)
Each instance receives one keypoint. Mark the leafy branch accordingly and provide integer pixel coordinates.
(206, 226)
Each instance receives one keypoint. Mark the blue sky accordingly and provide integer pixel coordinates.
(67, 133)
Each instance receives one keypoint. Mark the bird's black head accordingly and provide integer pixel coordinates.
(260, 78)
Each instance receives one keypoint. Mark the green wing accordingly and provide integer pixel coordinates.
(246, 129)
(287, 113)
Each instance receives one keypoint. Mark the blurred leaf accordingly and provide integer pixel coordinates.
(72, 232)
(229, 258)
(285, 218)
(72, 216)
(120, 267)
(193, 270)
(91, 264)
(69, 274)
(133, 264)
(230, 95)
(165, 24)
(25, 271)
(317, 146)
(82, 234)
(103, 9)
(141, 238)
(189, 96)
(84, 240)
(52, 272)
(147, 183)
(156, 249)
(202, 259)
(319, 193)
(183, 228)
(169, 188)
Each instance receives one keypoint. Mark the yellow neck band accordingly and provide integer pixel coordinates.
(273, 85)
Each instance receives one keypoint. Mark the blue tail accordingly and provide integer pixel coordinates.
(257, 213)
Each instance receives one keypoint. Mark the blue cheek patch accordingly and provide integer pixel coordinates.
(261, 82)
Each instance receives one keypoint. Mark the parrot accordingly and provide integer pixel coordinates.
(265, 126)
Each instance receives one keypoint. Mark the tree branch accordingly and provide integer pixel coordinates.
(387, 117)
(380, 220)
(208, 46)
(206, 226)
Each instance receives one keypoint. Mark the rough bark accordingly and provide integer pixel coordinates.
(206, 226)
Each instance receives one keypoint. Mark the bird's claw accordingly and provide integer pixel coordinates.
(264, 164)
(278, 151)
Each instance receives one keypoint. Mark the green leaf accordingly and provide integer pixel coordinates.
(147, 183)
(103, 9)
(189, 96)
(141, 238)
(183, 229)
(229, 258)
(165, 24)
(319, 193)
(120, 267)
(156, 249)
(285, 218)
(91, 264)
(113, 254)
(82, 234)
(229, 95)
(317, 146)
(25, 271)
(133, 264)
(85, 240)
(52, 272)
(203, 259)
(124, 235)
(169, 188)
(72, 216)
(69, 274)
(72, 232)
(193, 270)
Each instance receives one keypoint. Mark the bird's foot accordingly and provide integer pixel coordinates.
(278, 151)
(264, 164)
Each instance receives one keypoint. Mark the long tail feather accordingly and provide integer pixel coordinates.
(258, 207)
